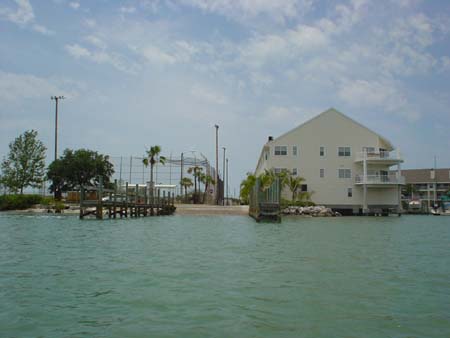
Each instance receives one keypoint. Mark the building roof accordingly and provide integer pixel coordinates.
(332, 110)
(424, 175)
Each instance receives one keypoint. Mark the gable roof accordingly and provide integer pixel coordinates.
(332, 110)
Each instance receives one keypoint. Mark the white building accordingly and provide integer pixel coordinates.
(346, 166)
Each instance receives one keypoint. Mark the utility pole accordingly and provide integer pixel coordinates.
(56, 98)
(217, 164)
(227, 183)
(223, 175)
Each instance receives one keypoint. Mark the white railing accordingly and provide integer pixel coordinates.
(379, 155)
(379, 179)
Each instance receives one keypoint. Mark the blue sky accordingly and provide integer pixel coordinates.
(145, 72)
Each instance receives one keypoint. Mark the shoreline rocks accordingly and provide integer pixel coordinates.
(313, 211)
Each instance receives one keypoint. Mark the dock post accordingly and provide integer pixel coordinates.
(99, 214)
(115, 198)
(81, 202)
(158, 202)
(136, 200)
(126, 199)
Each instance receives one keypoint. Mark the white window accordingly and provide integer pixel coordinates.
(349, 192)
(279, 170)
(368, 150)
(280, 150)
(344, 151)
(322, 151)
(322, 173)
(345, 173)
(294, 171)
(294, 150)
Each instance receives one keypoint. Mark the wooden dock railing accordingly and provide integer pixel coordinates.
(125, 201)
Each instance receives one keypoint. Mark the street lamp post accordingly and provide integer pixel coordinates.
(227, 184)
(223, 174)
(217, 163)
(56, 98)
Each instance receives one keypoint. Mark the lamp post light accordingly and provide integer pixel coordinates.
(56, 98)
(217, 164)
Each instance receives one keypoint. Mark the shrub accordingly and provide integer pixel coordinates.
(287, 203)
(18, 202)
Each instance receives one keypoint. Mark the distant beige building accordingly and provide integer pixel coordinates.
(427, 185)
(346, 166)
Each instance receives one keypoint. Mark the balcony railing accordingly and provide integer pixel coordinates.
(379, 179)
(379, 155)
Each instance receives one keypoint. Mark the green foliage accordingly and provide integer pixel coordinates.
(25, 164)
(294, 184)
(207, 180)
(79, 167)
(153, 157)
(18, 202)
(286, 203)
(246, 187)
(196, 172)
(186, 183)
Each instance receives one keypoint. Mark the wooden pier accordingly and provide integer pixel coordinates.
(127, 201)
(265, 203)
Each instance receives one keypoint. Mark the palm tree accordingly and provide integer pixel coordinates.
(196, 172)
(186, 182)
(246, 187)
(294, 184)
(153, 157)
(206, 180)
(266, 179)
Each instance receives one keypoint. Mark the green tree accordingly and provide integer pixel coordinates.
(24, 165)
(186, 183)
(196, 172)
(77, 168)
(246, 187)
(294, 184)
(266, 179)
(207, 180)
(153, 157)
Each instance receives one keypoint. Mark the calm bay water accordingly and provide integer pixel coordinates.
(224, 276)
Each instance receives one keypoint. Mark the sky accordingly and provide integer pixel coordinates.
(145, 72)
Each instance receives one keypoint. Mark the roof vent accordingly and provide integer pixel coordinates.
(270, 138)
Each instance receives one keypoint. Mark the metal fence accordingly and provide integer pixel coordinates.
(132, 169)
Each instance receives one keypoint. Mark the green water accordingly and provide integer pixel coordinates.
(224, 276)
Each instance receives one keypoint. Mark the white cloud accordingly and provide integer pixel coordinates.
(23, 16)
(245, 9)
(384, 95)
(42, 29)
(127, 10)
(96, 41)
(14, 87)
(208, 95)
(75, 5)
(102, 57)
(77, 51)
(445, 62)
(157, 56)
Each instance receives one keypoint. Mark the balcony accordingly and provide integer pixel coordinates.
(381, 157)
(379, 180)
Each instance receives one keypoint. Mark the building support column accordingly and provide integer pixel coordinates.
(365, 205)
